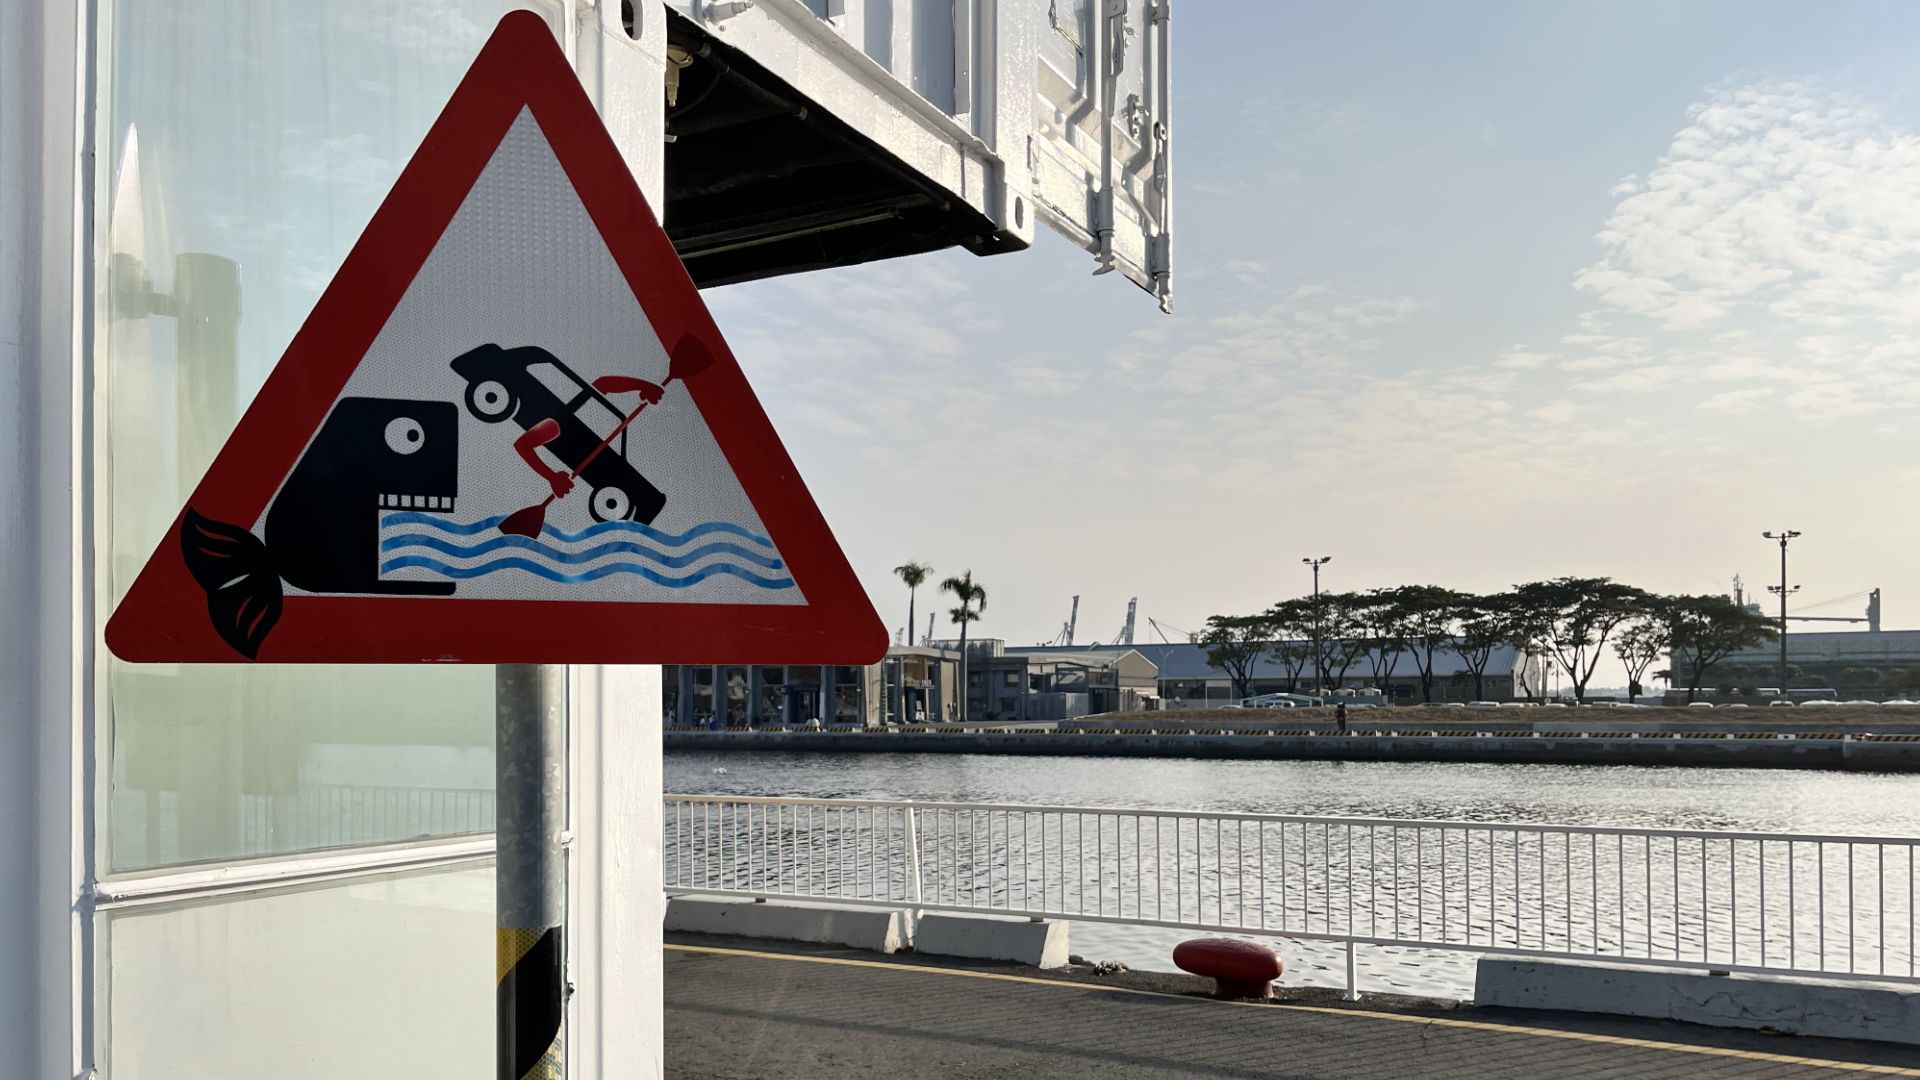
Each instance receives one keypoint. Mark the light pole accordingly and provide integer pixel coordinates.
(1317, 669)
(1782, 591)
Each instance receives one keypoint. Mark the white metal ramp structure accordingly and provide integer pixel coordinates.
(828, 132)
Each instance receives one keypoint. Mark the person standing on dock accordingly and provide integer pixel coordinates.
(1340, 717)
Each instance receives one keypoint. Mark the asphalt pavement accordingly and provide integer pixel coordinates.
(760, 1011)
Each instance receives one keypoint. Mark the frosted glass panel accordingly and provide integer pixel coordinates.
(389, 977)
(244, 147)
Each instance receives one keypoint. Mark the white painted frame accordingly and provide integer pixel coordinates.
(45, 573)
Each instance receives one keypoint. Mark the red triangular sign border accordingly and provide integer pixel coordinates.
(164, 617)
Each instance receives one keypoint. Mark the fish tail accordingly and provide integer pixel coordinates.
(234, 567)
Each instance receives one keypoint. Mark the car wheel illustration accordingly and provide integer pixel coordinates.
(610, 504)
(490, 400)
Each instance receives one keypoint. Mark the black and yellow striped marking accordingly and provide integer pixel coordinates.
(530, 1000)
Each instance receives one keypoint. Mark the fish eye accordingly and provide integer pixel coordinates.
(405, 435)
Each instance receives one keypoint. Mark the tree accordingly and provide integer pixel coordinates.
(1525, 622)
(1859, 680)
(1235, 643)
(1903, 681)
(1425, 615)
(1484, 624)
(1572, 619)
(1524, 667)
(1642, 641)
(1292, 656)
(1382, 634)
(1706, 630)
(1336, 619)
(913, 574)
(1292, 638)
(973, 601)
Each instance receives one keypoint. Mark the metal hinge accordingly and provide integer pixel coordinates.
(714, 11)
(1118, 32)
(1160, 156)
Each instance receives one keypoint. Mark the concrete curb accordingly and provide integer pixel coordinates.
(990, 937)
(1839, 1010)
(873, 929)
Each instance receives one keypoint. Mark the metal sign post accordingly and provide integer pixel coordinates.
(530, 818)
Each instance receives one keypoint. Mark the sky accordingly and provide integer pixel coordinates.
(1466, 294)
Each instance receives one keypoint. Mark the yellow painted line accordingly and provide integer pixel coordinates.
(1366, 1014)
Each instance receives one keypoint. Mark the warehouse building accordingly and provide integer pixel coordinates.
(1853, 663)
(912, 685)
(1187, 680)
(1037, 684)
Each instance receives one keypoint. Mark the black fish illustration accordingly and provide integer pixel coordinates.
(323, 528)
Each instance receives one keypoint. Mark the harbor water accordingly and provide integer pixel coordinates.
(1770, 801)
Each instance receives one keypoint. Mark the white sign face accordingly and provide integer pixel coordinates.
(508, 432)
(516, 334)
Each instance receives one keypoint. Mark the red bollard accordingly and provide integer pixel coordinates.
(1239, 969)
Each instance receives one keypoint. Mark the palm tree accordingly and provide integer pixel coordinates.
(913, 573)
(973, 601)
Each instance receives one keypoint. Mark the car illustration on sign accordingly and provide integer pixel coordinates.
(532, 386)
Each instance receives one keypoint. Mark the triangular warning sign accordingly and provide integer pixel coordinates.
(508, 433)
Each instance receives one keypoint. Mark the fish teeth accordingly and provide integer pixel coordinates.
(416, 502)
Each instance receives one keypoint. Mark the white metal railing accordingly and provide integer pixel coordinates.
(1834, 906)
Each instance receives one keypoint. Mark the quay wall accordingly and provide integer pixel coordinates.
(1886, 753)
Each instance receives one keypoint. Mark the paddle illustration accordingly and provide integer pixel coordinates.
(689, 358)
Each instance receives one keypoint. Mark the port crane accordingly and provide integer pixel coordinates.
(1162, 628)
(1065, 637)
(1871, 616)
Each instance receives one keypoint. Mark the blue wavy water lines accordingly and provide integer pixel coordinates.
(574, 558)
(470, 528)
(514, 562)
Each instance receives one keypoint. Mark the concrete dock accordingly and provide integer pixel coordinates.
(742, 1010)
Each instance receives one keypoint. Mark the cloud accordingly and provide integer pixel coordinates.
(1556, 412)
(1516, 358)
(1639, 380)
(1751, 369)
(1261, 339)
(1773, 246)
(1778, 195)
(1832, 400)
(1040, 381)
(1736, 402)
(1595, 363)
